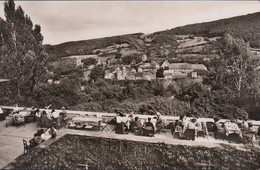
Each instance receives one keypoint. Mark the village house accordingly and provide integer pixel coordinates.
(182, 67)
(165, 64)
(144, 57)
(138, 76)
(139, 69)
(91, 67)
(124, 45)
(149, 75)
(109, 75)
(121, 74)
(181, 70)
(168, 74)
(86, 75)
(194, 74)
(130, 75)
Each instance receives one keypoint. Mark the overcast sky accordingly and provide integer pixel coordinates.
(63, 21)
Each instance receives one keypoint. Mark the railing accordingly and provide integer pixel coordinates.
(74, 113)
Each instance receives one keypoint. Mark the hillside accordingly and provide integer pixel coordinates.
(246, 27)
(86, 46)
(167, 43)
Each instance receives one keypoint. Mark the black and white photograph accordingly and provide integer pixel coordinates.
(132, 84)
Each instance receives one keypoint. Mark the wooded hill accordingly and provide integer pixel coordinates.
(246, 27)
(86, 46)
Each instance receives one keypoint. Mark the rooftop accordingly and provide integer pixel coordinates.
(187, 66)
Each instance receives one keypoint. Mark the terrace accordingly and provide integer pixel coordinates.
(11, 137)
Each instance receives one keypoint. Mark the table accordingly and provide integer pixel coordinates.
(46, 136)
(87, 121)
(24, 114)
(122, 119)
(232, 128)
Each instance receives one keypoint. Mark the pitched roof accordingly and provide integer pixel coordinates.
(180, 66)
(187, 66)
(198, 67)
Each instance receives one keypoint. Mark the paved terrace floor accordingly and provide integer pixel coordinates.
(11, 145)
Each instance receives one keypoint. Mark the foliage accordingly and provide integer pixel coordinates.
(105, 153)
(89, 61)
(235, 73)
(67, 69)
(235, 66)
(159, 73)
(207, 103)
(244, 27)
(22, 56)
(58, 95)
(161, 39)
(135, 58)
(97, 72)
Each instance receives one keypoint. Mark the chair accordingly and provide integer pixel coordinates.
(219, 132)
(178, 130)
(172, 127)
(26, 147)
(148, 131)
(8, 121)
(204, 131)
(102, 126)
(200, 133)
(160, 128)
(248, 137)
(138, 130)
(30, 119)
(210, 126)
(2, 116)
(18, 120)
(120, 128)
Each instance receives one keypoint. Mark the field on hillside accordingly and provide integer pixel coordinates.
(102, 153)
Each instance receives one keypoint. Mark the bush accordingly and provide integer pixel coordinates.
(105, 153)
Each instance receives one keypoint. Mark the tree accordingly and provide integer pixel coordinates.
(22, 56)
(134, 58)
(67, 69)
(89, 61)
(235, 67)
(159, 73)
(97, 72)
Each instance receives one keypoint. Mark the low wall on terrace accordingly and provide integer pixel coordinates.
(74, 113)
